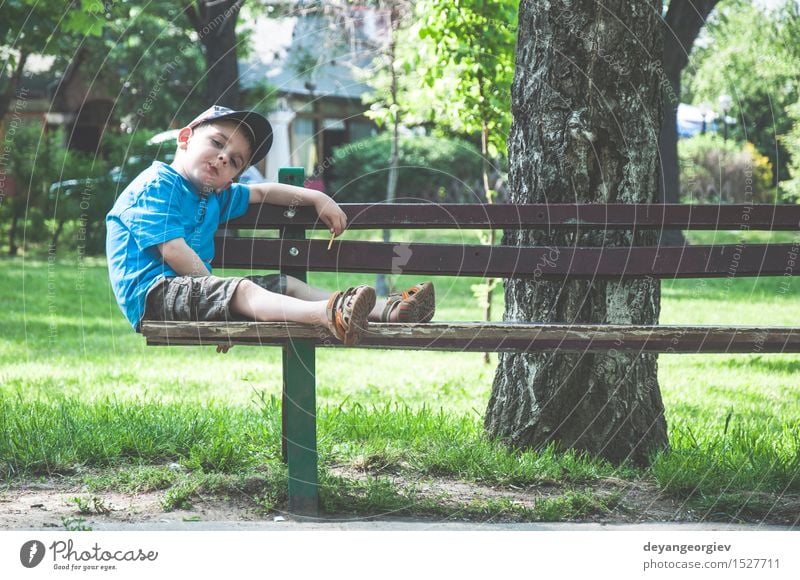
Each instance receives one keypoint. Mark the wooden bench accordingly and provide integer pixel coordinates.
(293, 254)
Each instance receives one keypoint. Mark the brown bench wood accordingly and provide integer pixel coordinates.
(506, 261)
(536, 216)
(492, 337)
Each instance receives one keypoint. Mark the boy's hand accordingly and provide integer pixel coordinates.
(223, 348)
(331, 214)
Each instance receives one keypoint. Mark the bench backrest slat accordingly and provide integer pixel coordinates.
(536, 216)
(508, 261)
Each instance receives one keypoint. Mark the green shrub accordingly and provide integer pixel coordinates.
(790, 189)
(432, 169)
(34, 162)
(717, 171)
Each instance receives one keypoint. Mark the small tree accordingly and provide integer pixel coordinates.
(388, 96)
(465, 57)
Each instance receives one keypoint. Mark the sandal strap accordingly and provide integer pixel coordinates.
(335, 323)
(392, 302)
(405, 294)
(339, 310)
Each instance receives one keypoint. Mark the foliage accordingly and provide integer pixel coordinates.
(441, 170)
(56, 188)
(717, 171)
(35, 161)
(44, 27)
(149, 62)
(463, 54)
(389, 72)
(790, 189)
(753, 57)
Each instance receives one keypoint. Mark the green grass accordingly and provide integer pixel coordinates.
(79, 389)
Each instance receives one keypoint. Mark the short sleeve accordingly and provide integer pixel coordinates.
(233, 202)
(154, 216)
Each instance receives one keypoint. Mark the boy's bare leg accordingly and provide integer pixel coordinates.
(302, 291)
(256, 303)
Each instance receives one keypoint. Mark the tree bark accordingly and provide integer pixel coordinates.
(12, 234)
(586, 105)
(10, 92)
(381, 286)
(57, 234)
(215, 24)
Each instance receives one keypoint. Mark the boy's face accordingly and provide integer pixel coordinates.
(212, 156)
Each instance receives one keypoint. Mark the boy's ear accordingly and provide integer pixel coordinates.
(183, 137)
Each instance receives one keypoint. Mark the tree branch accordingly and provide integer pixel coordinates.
(684, 20)
(194, 18)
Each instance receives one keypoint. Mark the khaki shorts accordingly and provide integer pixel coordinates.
(201, 299)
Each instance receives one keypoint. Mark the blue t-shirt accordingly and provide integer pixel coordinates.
(158, 206)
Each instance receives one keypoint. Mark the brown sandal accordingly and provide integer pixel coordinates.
(417, 304)
(348, 311)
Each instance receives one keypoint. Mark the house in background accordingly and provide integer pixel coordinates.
(302, 57)
(320, 103)
(81, 106)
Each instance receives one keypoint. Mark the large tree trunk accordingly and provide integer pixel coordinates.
(586, 116)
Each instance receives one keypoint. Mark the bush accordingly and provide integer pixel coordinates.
(432, 169)
(36, 160)
(717, 171)
(790, 189)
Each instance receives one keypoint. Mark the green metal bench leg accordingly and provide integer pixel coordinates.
(299, 445)
(300, 426)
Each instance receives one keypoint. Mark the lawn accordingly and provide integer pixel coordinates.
(78, 387)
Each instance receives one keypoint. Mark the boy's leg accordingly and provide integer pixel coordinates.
(344, 314)
(302, 291)
(254, 302)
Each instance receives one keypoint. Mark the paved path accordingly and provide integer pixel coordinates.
(408, 525)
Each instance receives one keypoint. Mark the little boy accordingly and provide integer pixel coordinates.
(161, 240)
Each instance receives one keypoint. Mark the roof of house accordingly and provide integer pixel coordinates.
(296, 55)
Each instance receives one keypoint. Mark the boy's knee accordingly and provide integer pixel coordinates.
(245, 288)
(294, 286)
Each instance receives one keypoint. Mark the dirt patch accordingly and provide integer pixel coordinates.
(52, 504)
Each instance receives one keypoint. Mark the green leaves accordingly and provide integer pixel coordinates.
(464, 56)
(751, 55)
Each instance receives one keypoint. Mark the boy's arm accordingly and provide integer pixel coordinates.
(291, 195)
(183, 259)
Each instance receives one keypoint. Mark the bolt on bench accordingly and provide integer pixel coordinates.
(295, 255)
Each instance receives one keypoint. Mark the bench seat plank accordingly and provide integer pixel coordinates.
(488, 337)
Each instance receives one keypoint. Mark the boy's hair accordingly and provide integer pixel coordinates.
(259, 132)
